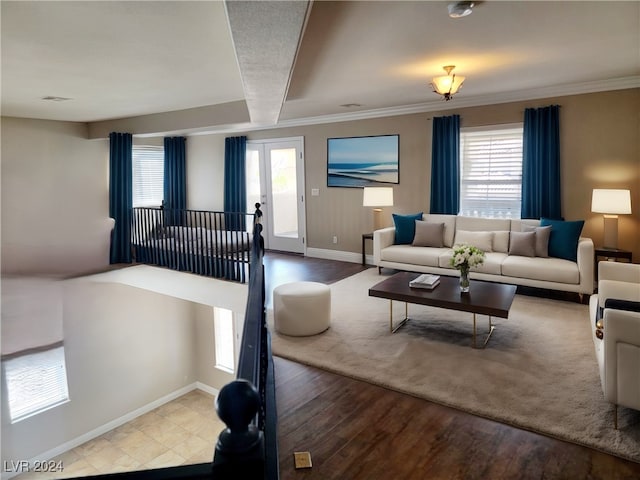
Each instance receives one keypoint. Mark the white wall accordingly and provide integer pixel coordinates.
(124, 347)
(55, 197)
(205, 172)
(55, 193)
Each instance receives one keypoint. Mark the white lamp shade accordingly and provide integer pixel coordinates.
(611, 201)
(377, 197)
(447, 84)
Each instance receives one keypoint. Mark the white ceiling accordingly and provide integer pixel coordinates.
(124, 59)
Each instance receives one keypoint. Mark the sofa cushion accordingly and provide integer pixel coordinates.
(427, 256)
(479, 224)
(546, 269)
(492, 262)
(405, 227)
(542, 238)
(501, 241)
(481, 240)
(523, 243)
(449, 225)
(518, 225)
(563, 241)
(428, 234)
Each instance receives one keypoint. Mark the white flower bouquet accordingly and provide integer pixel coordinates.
(466, 257)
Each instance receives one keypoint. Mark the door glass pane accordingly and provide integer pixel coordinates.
(253, 182)
(284, 192)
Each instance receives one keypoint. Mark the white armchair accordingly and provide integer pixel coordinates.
(615, 324)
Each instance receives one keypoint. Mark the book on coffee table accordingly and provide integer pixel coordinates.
(425, 280)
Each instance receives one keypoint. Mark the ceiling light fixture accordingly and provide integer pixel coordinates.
(448, 85)
(460, 9)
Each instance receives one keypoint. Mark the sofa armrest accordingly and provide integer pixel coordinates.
(618, 280)
(622, 357)
(619, 271)
(585, 264)
(381, 239)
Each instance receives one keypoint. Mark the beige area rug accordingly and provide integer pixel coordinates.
(538, 372)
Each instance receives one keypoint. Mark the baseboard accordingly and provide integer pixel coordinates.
(208, 389)
(337, 255)
(96, 432)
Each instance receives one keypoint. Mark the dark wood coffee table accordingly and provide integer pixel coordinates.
(484, 298)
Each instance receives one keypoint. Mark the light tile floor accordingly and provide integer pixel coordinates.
(183, 431)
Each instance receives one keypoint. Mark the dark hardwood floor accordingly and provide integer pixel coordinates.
(283, 268)
(355, 430)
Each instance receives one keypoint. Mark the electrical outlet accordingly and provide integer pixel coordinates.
(335, 239)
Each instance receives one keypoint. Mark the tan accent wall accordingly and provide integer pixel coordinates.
(600, 148)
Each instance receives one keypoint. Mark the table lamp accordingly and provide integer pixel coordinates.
(377, 197)
(612, 203)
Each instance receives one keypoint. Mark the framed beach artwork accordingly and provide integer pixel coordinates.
(362, 161)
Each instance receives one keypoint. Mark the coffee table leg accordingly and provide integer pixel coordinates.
(491, 329)
(393, 329)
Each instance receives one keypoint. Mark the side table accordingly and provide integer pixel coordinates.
(610, 253)
(365, 236)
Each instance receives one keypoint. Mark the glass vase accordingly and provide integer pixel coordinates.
(464, 280)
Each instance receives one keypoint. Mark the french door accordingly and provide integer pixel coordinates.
(275, 179)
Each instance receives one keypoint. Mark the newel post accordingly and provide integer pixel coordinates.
(240, 447)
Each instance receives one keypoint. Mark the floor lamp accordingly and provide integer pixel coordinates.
(377, 197)
(612, 203)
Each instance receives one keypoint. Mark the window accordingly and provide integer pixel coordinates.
(491, 171)
(224, 339)
(35, 382)
(148, 176)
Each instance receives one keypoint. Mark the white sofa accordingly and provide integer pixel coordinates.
(616, 336)
(499, 266)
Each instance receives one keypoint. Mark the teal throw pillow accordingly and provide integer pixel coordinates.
(563, 241)
(405, 227)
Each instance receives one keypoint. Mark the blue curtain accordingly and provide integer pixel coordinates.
(175, 173)
(445, 165)
(541, 163)
(235, 182)
(120, 195)
(175, 179)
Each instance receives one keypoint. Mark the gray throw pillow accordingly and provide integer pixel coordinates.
(523, 243)
(542, 239)
(428, 234)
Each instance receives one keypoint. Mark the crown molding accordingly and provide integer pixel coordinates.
(477, 101)
(436, 105)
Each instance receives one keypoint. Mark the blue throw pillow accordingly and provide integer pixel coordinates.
(563, 241)
(405, 227)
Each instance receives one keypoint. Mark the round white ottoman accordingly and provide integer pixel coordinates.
(301, 308)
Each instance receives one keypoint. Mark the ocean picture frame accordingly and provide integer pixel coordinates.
(363, 161)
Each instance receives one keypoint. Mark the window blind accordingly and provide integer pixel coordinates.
(35, 382)
(148, 176)
(491, 171)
